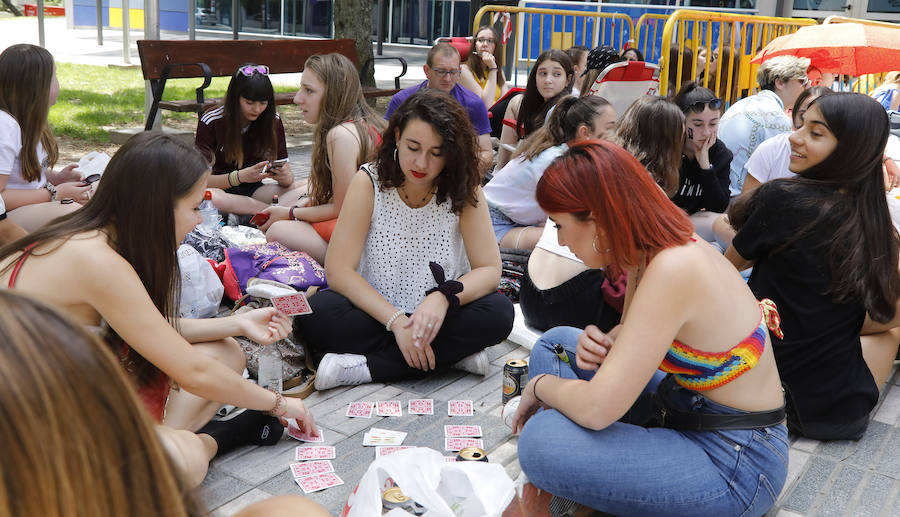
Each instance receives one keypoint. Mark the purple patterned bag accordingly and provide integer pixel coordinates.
(270, 261)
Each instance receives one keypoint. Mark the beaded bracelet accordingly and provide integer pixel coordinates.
(393, 318)
(279, 401)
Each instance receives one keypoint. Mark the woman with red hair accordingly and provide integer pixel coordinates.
(707, 439)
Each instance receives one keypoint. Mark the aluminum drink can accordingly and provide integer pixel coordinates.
(515, 377)
(472, 454)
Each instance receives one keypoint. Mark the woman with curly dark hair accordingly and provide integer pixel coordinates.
(414, 267)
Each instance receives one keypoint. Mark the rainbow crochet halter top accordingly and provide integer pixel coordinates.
(698, 370)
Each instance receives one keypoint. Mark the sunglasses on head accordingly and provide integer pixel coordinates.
(699, 106)
(249, 70)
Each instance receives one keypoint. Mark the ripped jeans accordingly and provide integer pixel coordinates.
(627, 469)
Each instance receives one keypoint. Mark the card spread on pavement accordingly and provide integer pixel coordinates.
(376, 436)
(421, 407)
(383, 450)
(462, 431)
(360, 409)
(319, 482)
(292, 304)
(456, 444)
(308, 468)
(460, 408)
(388, 408)
(318, 452)
(295, 432)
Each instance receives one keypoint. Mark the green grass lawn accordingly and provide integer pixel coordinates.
(95, 99)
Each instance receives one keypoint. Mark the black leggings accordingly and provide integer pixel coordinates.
(336, 325)
(577, 302)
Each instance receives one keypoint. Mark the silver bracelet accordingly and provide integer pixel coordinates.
(387, 326)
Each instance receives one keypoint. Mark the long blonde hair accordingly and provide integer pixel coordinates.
(26, 72)
(342, 101)
(79, 442)
(652, 129)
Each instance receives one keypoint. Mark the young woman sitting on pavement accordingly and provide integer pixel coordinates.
(721, 446)
(515, 215)
(652, 129)
(112, 267)
(243, 137)
(59, 379)
(481, 73)
(705, 163)
(549, 80)
(823, 248)
(346, 135)
(32, 191)
(414, 268)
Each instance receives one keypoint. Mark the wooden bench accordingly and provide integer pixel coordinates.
(162, 60)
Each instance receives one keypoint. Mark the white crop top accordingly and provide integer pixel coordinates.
(403, 240)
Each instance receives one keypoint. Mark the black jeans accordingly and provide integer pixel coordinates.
(338, 326)
(577, 302)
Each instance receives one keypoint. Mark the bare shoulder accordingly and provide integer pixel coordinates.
(342, 134)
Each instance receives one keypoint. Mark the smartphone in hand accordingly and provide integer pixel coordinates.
(259, 219)
(277, 164)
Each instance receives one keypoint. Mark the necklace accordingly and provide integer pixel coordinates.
(409, 203)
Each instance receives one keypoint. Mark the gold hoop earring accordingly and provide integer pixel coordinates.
(594, 245)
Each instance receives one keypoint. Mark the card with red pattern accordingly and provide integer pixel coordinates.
(319, 452)
(317, 482)
(462, 431)
(456, 444)
(460, 408)
(295, 432)
(421, 407)
(384, 450)
(292, 304)
(308, 468)
(388, 408)
(360, 410)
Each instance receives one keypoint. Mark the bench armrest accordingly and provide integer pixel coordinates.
(379, 58)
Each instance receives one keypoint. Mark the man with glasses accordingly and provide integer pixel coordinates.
(750, 121)
(442, 68)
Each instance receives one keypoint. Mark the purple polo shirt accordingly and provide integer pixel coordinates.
(474, 105)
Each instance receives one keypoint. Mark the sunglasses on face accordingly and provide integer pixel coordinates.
(699, 106)
(249, 70)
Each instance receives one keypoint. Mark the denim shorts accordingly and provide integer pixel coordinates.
(627, 469)
(502, 224)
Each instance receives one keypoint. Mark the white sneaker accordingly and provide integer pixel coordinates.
(476, 363)
(342, 370)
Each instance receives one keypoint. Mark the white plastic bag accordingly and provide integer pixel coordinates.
(94, 162)
(201, 289)
(455, 489)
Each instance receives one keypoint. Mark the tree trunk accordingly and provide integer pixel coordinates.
(353, 19)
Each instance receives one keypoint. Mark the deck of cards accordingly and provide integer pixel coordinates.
(295, 432)
(292, 304)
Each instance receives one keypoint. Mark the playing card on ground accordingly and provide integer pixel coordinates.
(388, 408)
(360, 409)
(376, 436)
(308, 468)
(460, 408)
(449, 459)
(292, 304)
(383, 450)
(319, 482)
(462, 431)
(456, 444)
(295, 432)
(421, 407)
(319, 452)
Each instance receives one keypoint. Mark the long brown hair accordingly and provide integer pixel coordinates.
(135, 204)
(534, 108)
(476, 65)
(652, 129)
(261, 133)
(342, 101)
(569, 114)
(460, 178)
(26, 72)
(79, 441)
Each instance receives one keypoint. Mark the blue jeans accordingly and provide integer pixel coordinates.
(627, 469)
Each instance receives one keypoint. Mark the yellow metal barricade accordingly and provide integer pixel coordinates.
(647, 32)
(565, 28)
(738, 38)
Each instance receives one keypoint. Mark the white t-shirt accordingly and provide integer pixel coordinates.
(771, 159)
(511, 190)
(10, 155)
(550, 241)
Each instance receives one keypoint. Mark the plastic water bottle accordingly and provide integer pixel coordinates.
(209, 212)
(269, 374)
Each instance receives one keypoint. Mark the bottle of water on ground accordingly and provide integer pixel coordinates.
(269, 374)
(209, 211)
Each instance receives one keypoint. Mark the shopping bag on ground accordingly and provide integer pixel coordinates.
(201, 289)
(445, 489)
